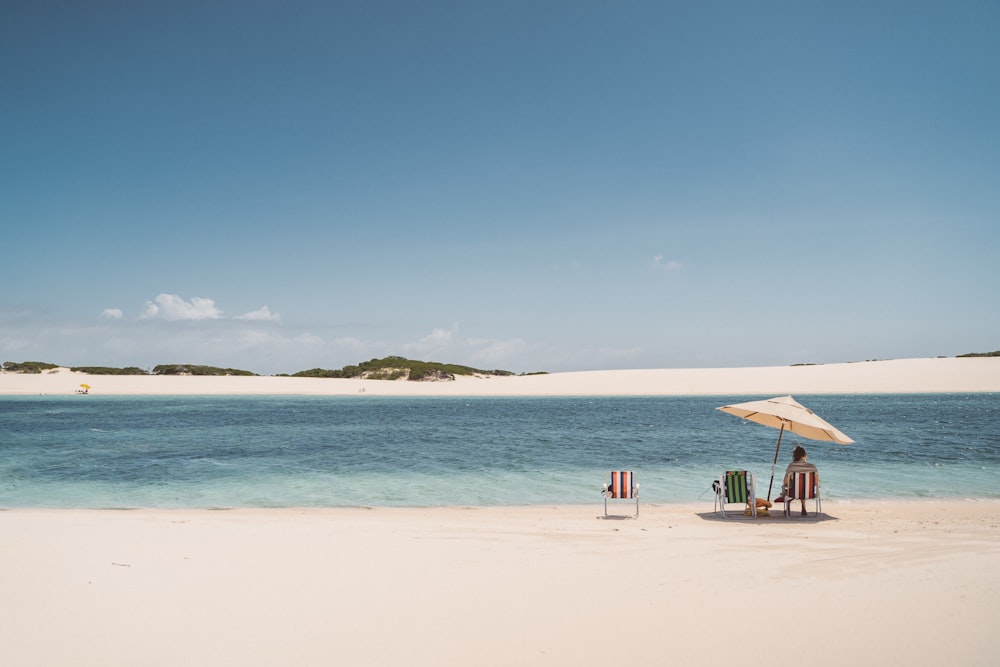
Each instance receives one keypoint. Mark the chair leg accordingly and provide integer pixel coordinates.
(625, 516)
(816, 499)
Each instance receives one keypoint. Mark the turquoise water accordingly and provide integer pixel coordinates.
(102, 451)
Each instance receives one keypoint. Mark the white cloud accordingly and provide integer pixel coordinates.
(489, 354)
(438, 337)
(447, 345)
(348, 342)
(173, 307)
(112, 314)
(666, 265)
(262, 314)
(435, 342)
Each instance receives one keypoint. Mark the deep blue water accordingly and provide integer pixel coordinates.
(101, 451)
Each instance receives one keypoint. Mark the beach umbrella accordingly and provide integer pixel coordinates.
(787, 414)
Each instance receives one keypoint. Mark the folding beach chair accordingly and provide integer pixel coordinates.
(622, 487)
(735, 486)
(802, 486)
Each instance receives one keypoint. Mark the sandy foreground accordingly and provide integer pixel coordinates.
(978, 374)
(871, 582)
(893, 583)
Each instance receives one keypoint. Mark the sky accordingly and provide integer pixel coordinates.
(528, 186)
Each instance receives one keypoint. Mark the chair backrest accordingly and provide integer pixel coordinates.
(622, 483)
(801, 485)
(735, 485)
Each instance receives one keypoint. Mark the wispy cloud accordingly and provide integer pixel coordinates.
(447, 344)
(262, 314)
(173, 307)
(661, 264)
(489, 353)
(437, 341)
(112, 314)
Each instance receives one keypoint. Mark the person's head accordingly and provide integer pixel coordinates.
(799, 453)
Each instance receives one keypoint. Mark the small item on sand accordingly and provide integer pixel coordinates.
(761, 511)
(762, 508)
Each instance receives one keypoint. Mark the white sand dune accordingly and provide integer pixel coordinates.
(873, 583)
(944, 375)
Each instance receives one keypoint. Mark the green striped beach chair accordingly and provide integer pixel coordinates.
(622, 487)
(735, 487)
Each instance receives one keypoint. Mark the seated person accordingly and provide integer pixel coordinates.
(798, 464)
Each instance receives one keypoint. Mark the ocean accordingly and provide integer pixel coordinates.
(268, 451)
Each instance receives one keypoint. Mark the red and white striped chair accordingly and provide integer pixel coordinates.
(802, 486)
(622, 487)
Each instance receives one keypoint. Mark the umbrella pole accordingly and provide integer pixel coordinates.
(775, 464)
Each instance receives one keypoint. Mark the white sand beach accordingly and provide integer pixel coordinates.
(871, 582)
(945, 375)
(914, 583)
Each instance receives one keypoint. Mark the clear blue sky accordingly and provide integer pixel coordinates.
(554, 186)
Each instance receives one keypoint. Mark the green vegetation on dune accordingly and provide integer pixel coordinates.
(192, 369)
(106, 370)
(389, 368)
(28, 366)
(168, 369)
(398, 368)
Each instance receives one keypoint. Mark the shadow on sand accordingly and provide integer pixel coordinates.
(774, 517)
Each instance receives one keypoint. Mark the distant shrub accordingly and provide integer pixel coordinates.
(317, 373)
(996, 353)
(28, 366)
(191, 369)
(105, 370)
(396, 368)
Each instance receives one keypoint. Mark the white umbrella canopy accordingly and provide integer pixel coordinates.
(787, 414)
